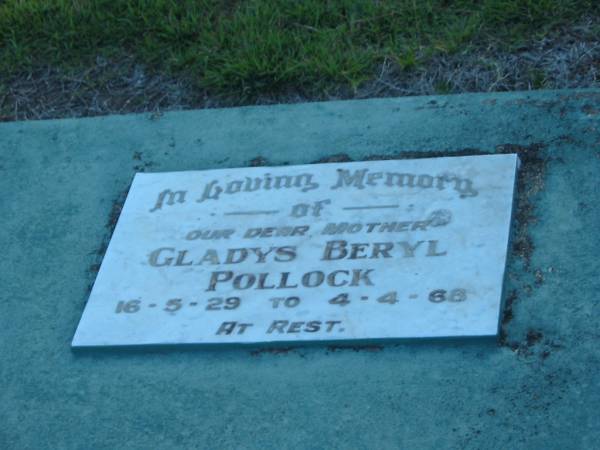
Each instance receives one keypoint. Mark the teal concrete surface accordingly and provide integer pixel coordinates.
(536, 387)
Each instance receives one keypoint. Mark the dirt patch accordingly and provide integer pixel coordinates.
(533, 337)
(337, 158)
(111, 223)
(259, 161)
(142, 165)
(530, 182)
(507, 314)
(355, 348)
(115, 211)
(272, 351)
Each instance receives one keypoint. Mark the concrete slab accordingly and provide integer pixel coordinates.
(62, 185)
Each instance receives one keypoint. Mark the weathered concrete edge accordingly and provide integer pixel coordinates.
(406, 101)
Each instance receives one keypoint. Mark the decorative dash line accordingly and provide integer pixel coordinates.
(371, 207)
(250, 213)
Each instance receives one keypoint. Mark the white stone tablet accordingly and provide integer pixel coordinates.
(323, 252)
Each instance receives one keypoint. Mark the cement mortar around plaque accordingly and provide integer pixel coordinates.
(324, 252)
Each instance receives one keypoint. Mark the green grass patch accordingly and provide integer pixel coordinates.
(254, 47)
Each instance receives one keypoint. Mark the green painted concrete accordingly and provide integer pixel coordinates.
(536, 388)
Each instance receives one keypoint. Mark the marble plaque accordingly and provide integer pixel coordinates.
(322, 252)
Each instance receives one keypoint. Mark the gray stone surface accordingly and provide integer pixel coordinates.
(62, 185)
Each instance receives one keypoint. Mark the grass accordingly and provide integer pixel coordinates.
(255, 47)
